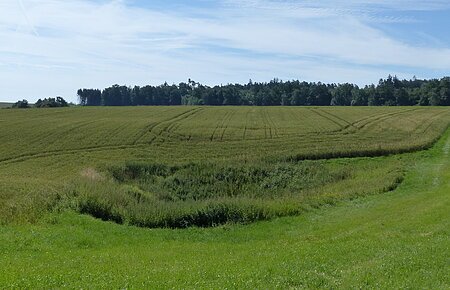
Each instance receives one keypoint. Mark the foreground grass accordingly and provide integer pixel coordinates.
(394, 240)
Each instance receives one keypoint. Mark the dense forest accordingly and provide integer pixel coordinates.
(388, 92)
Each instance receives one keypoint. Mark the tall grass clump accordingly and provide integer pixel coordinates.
(209, 194)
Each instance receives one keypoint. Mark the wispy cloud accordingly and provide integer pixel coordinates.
(402, 5)
(59, 46)
(26, 17)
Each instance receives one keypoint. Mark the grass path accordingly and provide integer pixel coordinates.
(398, 239)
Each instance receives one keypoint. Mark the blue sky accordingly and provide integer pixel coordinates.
(54, 47)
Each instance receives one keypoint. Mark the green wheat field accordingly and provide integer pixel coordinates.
(225, 197)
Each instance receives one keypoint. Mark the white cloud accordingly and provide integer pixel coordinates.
(51, 47)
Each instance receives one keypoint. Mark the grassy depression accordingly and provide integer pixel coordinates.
(209, 194)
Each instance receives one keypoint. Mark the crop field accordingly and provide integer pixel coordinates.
(214, 132)
(166, 191)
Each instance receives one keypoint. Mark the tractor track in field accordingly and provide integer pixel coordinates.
(174, 123)
(327, 117)
(29, 156)
(76, 125)
(381, 118)
(220, 124)
(267, 125)
(274, 126)
(225, 125)
(335, 116)
(246, 124)
(149, 128)
(211, 137)
(145, 131)
(118, 129)
(432, 120)
(353, 128)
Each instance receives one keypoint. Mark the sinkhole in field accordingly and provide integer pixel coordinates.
(200, 194)
(209, 181)
(207, 194)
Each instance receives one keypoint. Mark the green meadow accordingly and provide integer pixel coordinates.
(225, 197)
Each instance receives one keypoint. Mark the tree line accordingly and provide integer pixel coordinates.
(388, 92)
(57, 102)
